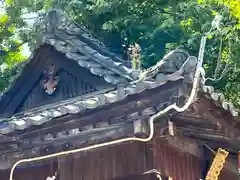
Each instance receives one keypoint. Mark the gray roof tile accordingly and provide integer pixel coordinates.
(151, 80)
(220, 100)
(174, 66)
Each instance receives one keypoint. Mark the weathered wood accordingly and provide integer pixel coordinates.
(89, 135)
(27, 141)
(186, 120)
(10, 102)
(119, 161)
(220, 137)
(203, 131)
(208, 109)
(126, 106)
(141, 128)
(72, 141)
(28, 92)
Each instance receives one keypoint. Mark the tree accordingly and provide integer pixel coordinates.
(10, 50)
(157, 25)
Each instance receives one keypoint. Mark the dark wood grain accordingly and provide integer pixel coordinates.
(28, 93)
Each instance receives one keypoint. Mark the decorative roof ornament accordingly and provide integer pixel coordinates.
(134, 52)
(54, 19)
(51, 81)
(171, 63)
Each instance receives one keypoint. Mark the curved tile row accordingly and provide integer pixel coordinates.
(176, 60)
(74, 107)
(112, 72)
(68, 32)
(74, 29)
(220, 100)
(187, 70)
(71, 44)
(38, 118)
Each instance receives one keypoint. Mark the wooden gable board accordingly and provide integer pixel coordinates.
(25, 86)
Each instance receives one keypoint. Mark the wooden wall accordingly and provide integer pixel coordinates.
(117, 162)
(120, 162)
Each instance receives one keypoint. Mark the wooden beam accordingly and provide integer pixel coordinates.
(207, 108)
(220, 138)
(217, 140)
(97, 134)
(38, 148)
(186, 120)
(127, 106)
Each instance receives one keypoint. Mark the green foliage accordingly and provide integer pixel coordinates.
(161, 25)
(10, 49)
(157, 26)
(230, 83)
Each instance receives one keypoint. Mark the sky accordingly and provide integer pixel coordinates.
(30, 21)
(26, 51)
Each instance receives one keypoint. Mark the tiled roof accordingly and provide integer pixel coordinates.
(90, 101)
(220, 100)
(77, 44)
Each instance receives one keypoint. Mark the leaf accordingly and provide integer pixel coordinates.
(3, 18)
(107, 26)
(210, 37)
(9, 2)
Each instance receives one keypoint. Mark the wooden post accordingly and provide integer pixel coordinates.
(170, 128)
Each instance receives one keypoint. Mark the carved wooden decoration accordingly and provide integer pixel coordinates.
(51, 80)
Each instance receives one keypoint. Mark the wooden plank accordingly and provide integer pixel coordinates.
(215, 141)
(84, 136)
(80, 140)
(214, 113)
(103, 114)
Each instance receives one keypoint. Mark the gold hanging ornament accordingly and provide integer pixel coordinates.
(217, 164)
